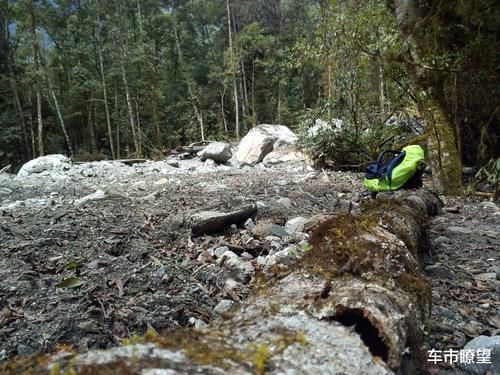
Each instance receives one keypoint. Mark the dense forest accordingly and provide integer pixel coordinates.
(135, 78)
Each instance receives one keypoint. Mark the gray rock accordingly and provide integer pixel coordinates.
(261, 140)
(210, 163)
(223, 306)
(206, 222)
(285, 154)
(5, 192)
(439, 272)
(483, 343)
(458, 230)
(295, 225)
(490, 206)
(99, 195)
(173, 163)
(249, 224)
(316, 220)
(220, 251)
(24, 349)
(45, 164)
(285, 202)
(238, 268)
(345, 205)
(278, 231)
(197, 323)
(217, 151)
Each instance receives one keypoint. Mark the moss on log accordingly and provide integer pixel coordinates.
(355, 304)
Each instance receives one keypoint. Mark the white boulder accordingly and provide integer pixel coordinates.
(261, 140)
(45, 165)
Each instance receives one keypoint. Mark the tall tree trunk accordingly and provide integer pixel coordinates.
(117, 121)
(244, 89)
(130, 109)
(7, 54)
(38, 84)
(445, 162)
(233, 71)
(190, 84)
(254, 106)
(139, 131)
(59, 115)
(381, 93)
(105, 96)
(32, 130)
(222, 94)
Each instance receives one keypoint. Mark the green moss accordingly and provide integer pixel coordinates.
(417, 285)
(260, 358)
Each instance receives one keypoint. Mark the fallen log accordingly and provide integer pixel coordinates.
(356, 303)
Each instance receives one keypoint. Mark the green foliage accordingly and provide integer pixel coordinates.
(490, 174)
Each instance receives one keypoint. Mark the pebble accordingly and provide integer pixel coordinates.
(439, 272)
(223, 306)
(286, 202)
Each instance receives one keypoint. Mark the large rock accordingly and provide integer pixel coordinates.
(261, 140)
(218, 151)
(44, 165)
(485, 351)
(285, 154)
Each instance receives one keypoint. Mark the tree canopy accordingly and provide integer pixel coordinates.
(116, 79)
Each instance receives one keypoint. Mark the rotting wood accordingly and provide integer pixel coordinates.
(355, 303)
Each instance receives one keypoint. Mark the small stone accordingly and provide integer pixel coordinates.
(486, 276)
(439, 272)
(459, 230)
(295, 225)
(278, 231)
(24, 349)
(246, 255)
(238, 268)
(355, 208)
(345, 205)
(261, 205)
(490, 206)
(223, 306)
(173, 163)
(5, 192)
(249, 224)
(285, 202)
(210, 163)
(204, 257)
(220, 251)
(197, 323)
(446, 312)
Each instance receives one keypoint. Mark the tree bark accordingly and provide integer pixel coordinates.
(233, 71)
(105, 97)
(38, 88)
(135, 136)
(59, 116)
(355, 303)
(445, 162)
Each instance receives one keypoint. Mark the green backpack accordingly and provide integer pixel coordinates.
(395, 172)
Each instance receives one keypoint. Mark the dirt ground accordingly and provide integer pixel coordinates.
(90, 275)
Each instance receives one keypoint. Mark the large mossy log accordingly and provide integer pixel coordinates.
(356, 303)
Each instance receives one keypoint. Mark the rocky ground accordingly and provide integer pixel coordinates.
(94, 253)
